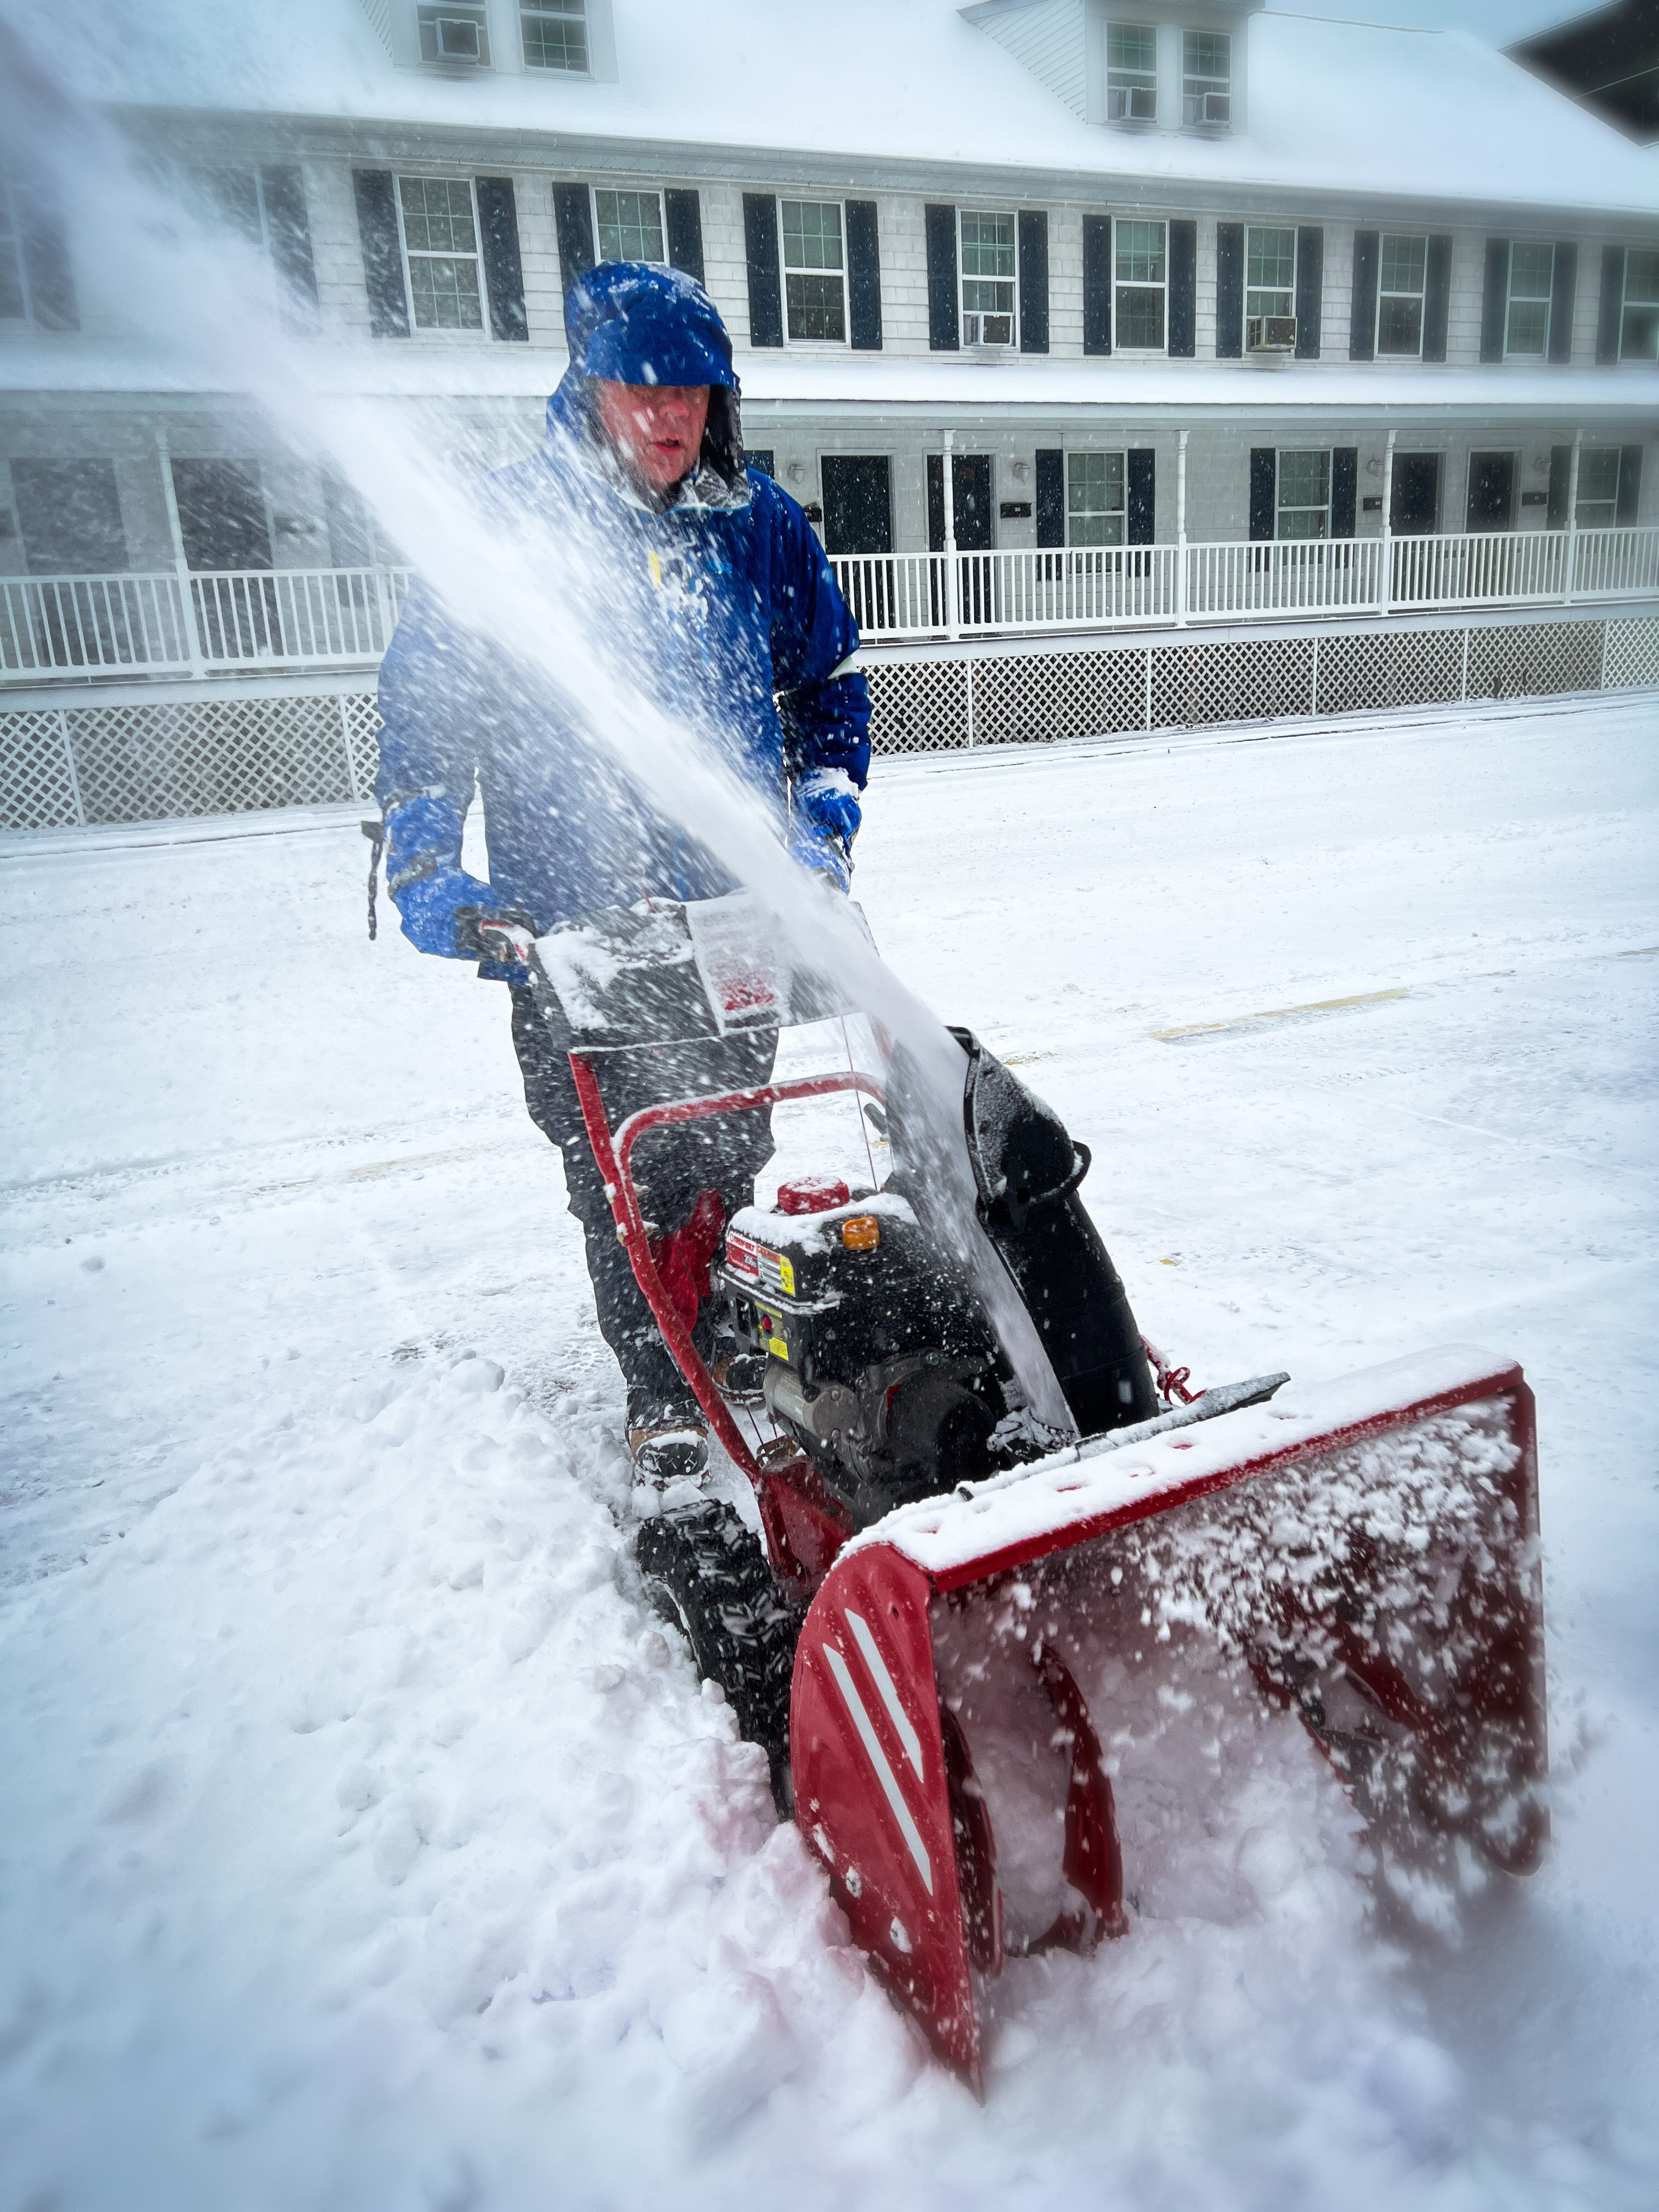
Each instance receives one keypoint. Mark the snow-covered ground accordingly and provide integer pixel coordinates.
(366, 1844)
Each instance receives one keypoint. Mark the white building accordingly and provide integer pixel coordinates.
(1253, 325)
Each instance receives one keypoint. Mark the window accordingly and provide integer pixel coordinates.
(1206, 78)
(1638, 330)
(555, 34)
(987, 279)
(762, 458)
(1142, 267)
(1400, 270)
(1094, 498)
(1598, 490)
(1532, 270)
(13, 291)
(69, 513)
(1131, 73)
(441, 243)
(629, 226)
(814, 271)
(1270, 272)
(455, 33)
(1304, 496)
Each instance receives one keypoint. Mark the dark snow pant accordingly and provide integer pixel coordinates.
(671, 1167)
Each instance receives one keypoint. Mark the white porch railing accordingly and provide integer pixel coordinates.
(197, 624)
(203, 624)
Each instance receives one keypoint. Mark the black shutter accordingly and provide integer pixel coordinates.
(1345, 490)
(290, 231)
(1229, 291)
(383, 259)
(1560, 484)
(1264, 491)
(682, 215)
(935, 502)
(1143, 495)
(1612, 303)
(498, 221)
(1033, 280)
(760, 245)
(573, 217)
(1495, 301)
(1362, 326)
(1096, 283)
(944, 323)
(1050, 496)
(863, 276)
(45, 258)
(1563, 283)
(1310, 290)
(1184, 292)
(1437, 298)
(1630, 483)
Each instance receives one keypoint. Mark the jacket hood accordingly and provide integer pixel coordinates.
(635, 322)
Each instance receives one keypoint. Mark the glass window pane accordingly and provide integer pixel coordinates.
(1598, 488)
(1642, 276)
(1400, 327)
(988, 244)
(1403, 263)
(1140, 319)
(1304, 479)
(1207, 54)
(1305, 522)
(445, 292)
(1132, 47)
(1531, 268)
(1140, 252)
(437, 214)
(812, 234)
(631, 226)
(1271, 258)
(816, 307)
(1530, 323)
(555, 35)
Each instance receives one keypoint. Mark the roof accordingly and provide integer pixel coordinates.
(1336, 108)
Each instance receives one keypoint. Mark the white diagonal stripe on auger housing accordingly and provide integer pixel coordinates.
(878, 1758)
(883, 1682)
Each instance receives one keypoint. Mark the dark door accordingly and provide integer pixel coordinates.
(70, 517)
(858, 503)
(221, 515)
(1491, 491)
(1414, 508)
(970, 480)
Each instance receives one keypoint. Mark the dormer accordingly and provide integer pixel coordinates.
(1133, 64)
(561, 40)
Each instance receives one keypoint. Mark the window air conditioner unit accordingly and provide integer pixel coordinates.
(988, 330)
(1131, 103)
(1215, 107)
(459, 37)
(1270, 334)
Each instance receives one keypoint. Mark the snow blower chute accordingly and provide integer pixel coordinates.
(961, 1588)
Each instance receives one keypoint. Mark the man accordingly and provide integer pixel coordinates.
(718, 599)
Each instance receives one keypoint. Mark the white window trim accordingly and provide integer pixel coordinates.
(643, 191)
(1132, 122)
(1543, 353)
(1324, 537)
(540, 69)
(816, 199)
(1212, 84)
(25, 320)
(1082, 452)
(426, 330)
(1296, 258)
(1623, 309)
(981, 345)
(1140, 352)
(1420, 296)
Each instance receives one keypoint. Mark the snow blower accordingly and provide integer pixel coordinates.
(956, 1588)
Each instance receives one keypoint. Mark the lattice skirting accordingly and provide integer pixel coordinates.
(89, 763)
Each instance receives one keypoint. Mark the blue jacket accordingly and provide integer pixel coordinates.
(725, 600)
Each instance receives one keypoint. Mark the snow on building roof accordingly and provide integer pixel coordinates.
(1354, 109)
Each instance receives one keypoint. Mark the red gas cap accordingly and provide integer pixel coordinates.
(812, 1194)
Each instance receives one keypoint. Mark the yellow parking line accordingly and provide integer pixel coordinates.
(1278, 1014)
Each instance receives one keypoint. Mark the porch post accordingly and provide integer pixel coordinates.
(181, 566)
(1385, 588)
(948, 489)
(1181, 532)
(1571, 574)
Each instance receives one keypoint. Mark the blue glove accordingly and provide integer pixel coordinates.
(828, 799)
(821, 852)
